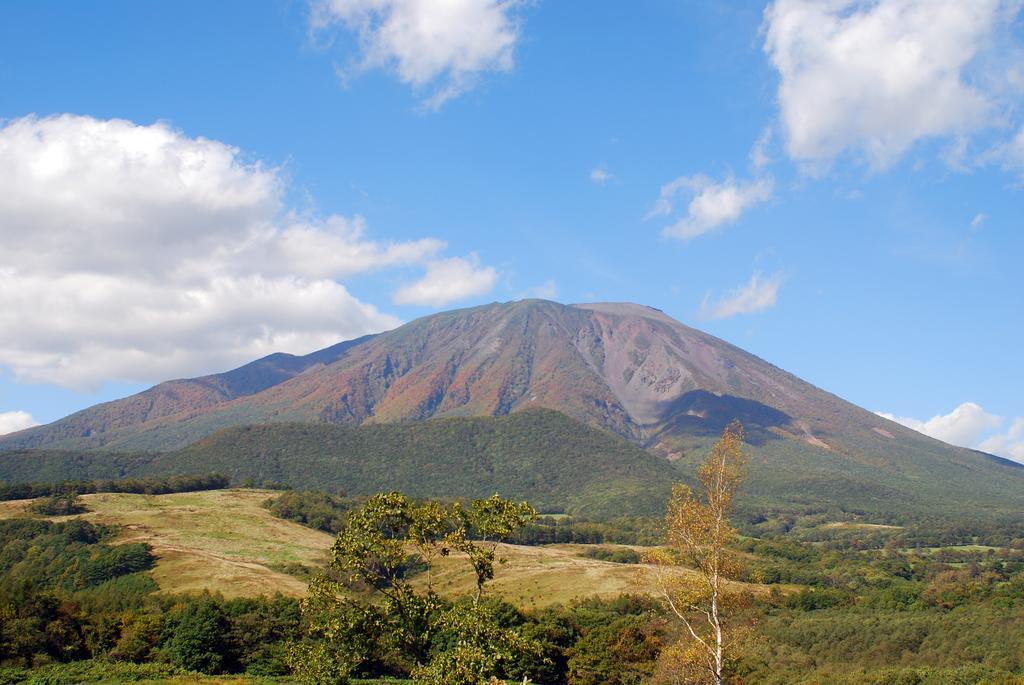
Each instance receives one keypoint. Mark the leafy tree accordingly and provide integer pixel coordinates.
(477, 647)
(621, 652)
(195, 636)
(366, 599)
(699, 535)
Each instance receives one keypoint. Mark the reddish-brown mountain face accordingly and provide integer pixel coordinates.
(627, 368)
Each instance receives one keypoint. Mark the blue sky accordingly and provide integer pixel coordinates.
(835, 187)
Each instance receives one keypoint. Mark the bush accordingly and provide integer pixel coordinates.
(98, 672)
(194, 637)
(616, 556)
(67, 504)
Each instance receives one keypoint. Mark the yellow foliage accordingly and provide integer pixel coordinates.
(699, 535)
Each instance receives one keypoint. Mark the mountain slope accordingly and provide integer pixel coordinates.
(181, 397)
(540, 455)
(626, 368)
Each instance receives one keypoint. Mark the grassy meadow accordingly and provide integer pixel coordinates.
(220, 540)
(226, 541)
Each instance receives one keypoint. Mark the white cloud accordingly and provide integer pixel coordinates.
(969, 425)
(1009, 445)
(136, 253)
(757, 295)
(978, 221)
(963, 426)
(448, 280)
(711, 205)
(440, 47)
(875, 76)
(12, 421)
(600, 175)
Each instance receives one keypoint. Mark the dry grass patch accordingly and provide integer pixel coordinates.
(226, 541)
(218, 540)
(535, 577)
(851, 525)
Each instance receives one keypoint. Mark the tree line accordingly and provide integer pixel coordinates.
(143, 486)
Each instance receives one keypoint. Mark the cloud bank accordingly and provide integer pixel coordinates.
(137, 253)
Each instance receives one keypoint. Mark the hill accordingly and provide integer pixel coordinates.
(540, 455)
(217, 540)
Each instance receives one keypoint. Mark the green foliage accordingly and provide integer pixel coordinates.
(67, 594)
(616, 556)
(63, 504)
(69, 555)
(194, 637)
(620, 652)
(539, 455)
(76, 608)
(90, 672)
(371, 553)
(312, 509)
(65, 490)
(473, 646)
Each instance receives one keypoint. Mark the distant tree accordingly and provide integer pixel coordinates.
(62, 504)
(701, 595)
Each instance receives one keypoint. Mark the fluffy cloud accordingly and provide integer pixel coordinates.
(448, 280)
(136, 253)
(757, 295)
(969, 425)
(878, 75)
(441, 47)
(711, 205)
(12, 421)
(963, 426)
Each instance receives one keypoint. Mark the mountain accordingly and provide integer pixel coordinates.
(626, 368)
